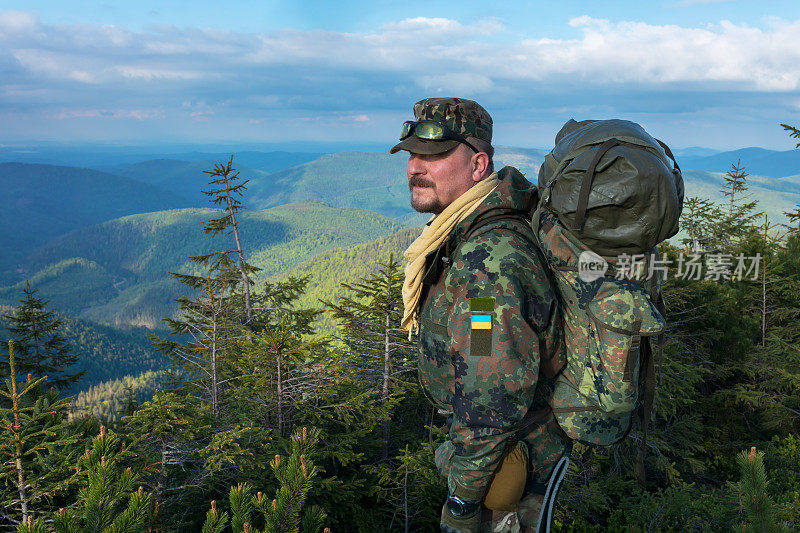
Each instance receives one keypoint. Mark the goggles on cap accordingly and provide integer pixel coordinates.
(430, 130)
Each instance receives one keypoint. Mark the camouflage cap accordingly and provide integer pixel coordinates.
(460, 115)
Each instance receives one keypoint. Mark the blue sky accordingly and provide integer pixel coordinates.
(721, 74)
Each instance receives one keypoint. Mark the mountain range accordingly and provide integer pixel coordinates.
(99, 243)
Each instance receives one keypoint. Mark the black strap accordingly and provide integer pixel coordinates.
(669, 154)
(586, 185)
(647, 408)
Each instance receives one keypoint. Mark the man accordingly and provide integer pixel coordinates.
(479, 295)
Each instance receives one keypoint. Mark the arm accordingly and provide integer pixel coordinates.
(495, 273)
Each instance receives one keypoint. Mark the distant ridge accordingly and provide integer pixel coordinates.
(184, 173)
(757, 161)
(41, 202)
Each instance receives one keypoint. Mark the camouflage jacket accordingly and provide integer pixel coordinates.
(488, 322)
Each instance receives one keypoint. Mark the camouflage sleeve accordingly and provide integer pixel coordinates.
(501, 325)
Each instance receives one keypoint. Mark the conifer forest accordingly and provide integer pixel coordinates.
(269, 410)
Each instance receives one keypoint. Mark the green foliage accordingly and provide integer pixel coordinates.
(759, 508)
(370, 314)
(109, 502)
(793, 132)
(330, 271)
(408, 489)
(42, 349)
(284, 513)
(34, 445)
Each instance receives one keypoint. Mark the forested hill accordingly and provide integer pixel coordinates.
(329, 270)
(370, 180)
(105, 353)
(41, 202)
(117, 272)
(183, 173)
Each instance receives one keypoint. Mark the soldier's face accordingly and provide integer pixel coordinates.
(437, 180)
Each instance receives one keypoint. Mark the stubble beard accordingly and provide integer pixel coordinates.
(420, 205)
(430, 206)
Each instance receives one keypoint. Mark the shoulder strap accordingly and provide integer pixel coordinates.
(440, 259)
(516, 217)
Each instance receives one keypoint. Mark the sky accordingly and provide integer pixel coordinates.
(715, 73)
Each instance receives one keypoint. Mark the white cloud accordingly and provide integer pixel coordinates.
(346, 76)
(14, 22)
(438, 52)
(156, 73)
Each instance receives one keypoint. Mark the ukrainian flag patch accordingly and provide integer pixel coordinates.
(481, 321)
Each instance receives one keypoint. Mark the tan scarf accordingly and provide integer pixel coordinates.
(432, 236)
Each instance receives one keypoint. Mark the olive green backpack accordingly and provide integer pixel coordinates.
(608, 192)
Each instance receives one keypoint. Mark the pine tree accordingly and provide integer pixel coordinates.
(42, 349)
(758, 506)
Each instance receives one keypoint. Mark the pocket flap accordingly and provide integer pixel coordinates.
(619, 308)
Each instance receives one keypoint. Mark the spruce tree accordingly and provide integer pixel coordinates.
(280, 368)
(212, 331)
(42, 349)
(793, 132)
(370, 316)
(225, 192)
(696, 220)
(794, 220)
(287, 511)
(110, 501)
(34, 440)
(740, 214)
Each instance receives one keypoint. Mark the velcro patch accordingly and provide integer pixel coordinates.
(481, 305)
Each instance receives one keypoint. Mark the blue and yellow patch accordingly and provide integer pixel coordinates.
(481, 321)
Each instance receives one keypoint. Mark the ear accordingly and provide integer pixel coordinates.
(479, 164)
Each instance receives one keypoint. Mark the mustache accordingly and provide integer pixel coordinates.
(419, 182)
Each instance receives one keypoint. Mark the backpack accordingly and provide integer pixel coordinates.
(608, 191)
(608, 194)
